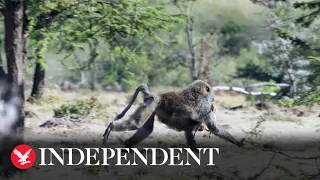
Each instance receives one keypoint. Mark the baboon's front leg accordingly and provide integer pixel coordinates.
(210, 121)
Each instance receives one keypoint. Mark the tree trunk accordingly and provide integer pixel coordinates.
(204, 69)
(15, 48)
(82, 72)
(92, 67)
(39, 74)
(38, 82)
(92, 72)
(189, 31)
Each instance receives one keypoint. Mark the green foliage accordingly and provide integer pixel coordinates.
(39, 43)
(117, 24)
(270, 89)
(74, 24)
(251, 65)
(119, 28)
(234, 37)
(313, 6)
(282, 59)
(311, 12)
(314, 67)
(40, 14)
(80, 107)
(231, 28)
(310, 95)
(304, 36)
(285, 102)
(134, 42)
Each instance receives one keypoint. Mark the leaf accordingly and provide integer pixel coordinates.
(117, 51)
(314, 58)
(282, 14)
(158, 39)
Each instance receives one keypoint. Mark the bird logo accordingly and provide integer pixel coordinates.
(23, 156)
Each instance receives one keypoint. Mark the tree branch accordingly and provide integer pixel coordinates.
(46, 19)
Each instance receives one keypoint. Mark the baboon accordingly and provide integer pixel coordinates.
(141, 114)
(183, 110)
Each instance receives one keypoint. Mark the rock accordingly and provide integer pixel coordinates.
(67, 121)
(56, 122)
(262, 106)
(235, 108)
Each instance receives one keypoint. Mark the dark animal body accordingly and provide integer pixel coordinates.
(183, 110)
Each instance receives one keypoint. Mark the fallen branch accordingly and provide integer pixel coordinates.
(242, 91)
(279, 85)
(235, 108)
(284, 88)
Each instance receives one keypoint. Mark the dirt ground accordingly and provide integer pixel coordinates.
(291, 132)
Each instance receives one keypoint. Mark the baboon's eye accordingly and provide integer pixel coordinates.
(207, 89)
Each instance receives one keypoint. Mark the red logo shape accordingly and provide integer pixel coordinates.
(23, 156)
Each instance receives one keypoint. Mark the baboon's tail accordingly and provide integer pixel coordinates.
(146, 95)
(147, 99)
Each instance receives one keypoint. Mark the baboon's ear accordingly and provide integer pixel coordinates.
(148, 101)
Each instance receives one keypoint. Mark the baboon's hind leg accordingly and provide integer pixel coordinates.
(190, 136)
(141, 133)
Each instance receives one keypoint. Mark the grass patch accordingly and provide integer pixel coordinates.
(46, 100)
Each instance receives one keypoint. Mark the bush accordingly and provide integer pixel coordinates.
(80, 107)
(285, 102)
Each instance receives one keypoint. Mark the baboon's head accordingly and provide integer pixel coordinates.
(204, 89)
